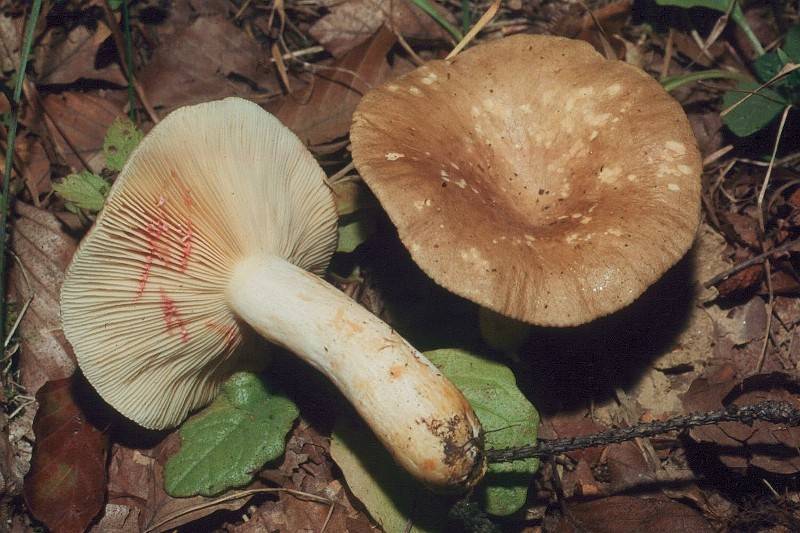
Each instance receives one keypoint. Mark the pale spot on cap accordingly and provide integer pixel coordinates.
(685, 169)
(614, 231)
(614, 89)
(392, 87)
(393, 156)
(526, 108)
(461, 183)
(676, 147)
(674, 187)
(430, 78)
(594, 135)
(577, 215)
(632, 177)
(586, 220)
(415, 91)
(609, 174)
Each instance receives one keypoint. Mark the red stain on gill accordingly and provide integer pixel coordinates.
(172, 318)
(187, 234)
(154, 230)
(228, 332)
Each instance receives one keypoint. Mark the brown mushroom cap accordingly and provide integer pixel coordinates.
(533, 176)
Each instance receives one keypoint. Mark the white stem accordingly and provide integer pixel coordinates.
(421, 418)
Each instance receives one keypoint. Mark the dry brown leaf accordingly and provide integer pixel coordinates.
(327, 113)
(352, 22)
(627, 467)
(741, 281)
(44, 251)
(772, 447)
(67, 58)
(35, 165)
(306, 467)
(626, 513)
(575, 424)
(208, 60)
(84, 119)
(136, 497)
(10, 31)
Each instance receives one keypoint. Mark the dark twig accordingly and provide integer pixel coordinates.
(785, 247)
(769, 411)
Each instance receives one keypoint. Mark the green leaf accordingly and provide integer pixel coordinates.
(84, 190)
(754, 113)
(355, 231)
(121, 138)
(720, 5)
(115, 4)
(508, 420)
(225, 444)
(392, 497)
(791, 44)
(671, 83)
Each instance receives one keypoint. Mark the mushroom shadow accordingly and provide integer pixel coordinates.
(567, 368)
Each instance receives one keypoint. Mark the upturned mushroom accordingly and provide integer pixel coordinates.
(533, 176)
(221, 222)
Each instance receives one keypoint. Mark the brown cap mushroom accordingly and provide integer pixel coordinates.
(533, 176)
(221, 219)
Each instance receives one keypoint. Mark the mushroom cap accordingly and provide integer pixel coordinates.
(533, 176)
(144, 299)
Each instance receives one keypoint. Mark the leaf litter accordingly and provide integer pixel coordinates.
(664, 362)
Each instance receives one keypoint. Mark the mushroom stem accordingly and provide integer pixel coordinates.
(420, 416)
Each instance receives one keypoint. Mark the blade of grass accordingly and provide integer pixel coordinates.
(435, 15)
(466, 16)
(673, 82)
(27, 44)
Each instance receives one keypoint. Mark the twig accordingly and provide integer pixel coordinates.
(769, 411)
(11, 137)
(770, 308)
(482, 22)
(785, 247)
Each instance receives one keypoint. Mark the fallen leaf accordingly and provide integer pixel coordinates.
(626, 513)
(67, 58)
(572, 424)
(743, 228)
(44, 251)
(627, 467)
(10, 32)
(326, 114)
(84, 119)
(742, 281)
(136, 497)
(35, 165)
(66, 486)
(772, 447)
(306, 467)
(352, 22)
(208, 60)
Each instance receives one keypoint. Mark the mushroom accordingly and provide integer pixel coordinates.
(533, 176)
(221, 222)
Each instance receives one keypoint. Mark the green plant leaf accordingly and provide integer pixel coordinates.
(121, 138)
(754, 113)
(223, 445)
(671, 83)
(355, 230)
(720, 5)
(392, 497)
(84, 190)
(508, 420)
(791, 44)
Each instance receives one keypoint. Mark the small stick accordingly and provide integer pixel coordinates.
(770, 411)
(785, 247)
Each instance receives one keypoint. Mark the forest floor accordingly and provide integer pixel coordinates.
(719, 328)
